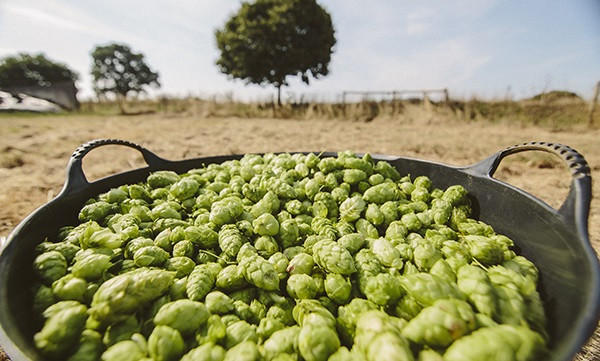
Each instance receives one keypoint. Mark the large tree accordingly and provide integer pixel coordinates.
(268, 40)
(119, 71)
(27, 70)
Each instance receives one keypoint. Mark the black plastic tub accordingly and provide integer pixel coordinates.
(555, 240)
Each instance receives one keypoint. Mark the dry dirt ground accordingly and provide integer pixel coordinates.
(34, 151)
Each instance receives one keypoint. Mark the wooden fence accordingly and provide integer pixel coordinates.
(395, 95)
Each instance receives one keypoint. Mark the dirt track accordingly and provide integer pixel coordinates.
(34, 151)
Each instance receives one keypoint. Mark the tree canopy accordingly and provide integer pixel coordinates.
(33, 69)
(118, 70)
(268, 40)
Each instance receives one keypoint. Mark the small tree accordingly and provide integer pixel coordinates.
(118, 70)
(267, 40)
(37, 70)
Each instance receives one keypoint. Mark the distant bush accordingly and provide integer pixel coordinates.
(556, 95)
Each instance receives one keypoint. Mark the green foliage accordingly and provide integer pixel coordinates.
(118, 70)
(26, 70)
(267, 40)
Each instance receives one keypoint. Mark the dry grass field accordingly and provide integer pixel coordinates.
(34, 150)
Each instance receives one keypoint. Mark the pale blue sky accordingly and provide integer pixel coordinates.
(484, 48)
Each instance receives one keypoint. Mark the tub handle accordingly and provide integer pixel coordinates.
(576, 207)
(76, 178)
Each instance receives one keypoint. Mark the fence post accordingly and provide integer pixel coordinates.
(593, 105)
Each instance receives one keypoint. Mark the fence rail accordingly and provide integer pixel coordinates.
(396, 94)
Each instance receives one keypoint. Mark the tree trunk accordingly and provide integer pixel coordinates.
(121, 101)
(279, 95)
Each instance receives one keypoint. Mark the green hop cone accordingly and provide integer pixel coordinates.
(61, 331)
(184, 188)
(301, 286)
(502, 342)
(268, 204)
(218, 303)
(268, 326)
(226, 210)
(388, 343)
(70, 287)
(127, 292)
(324, 228)
(386, 253)
(425, 288)
(121, 331)
(91, 266)
(162, 178)
(407, 307)
(214, 331)
(150, 256)
(289, 233)
(266, 246)
(333, 257)
(374, 215)
(283, 312)
(442, 269)
(366, 228)
(205, 352)
(284, 341)
(280, 263)
(378, 334)
(383, 289)
(309, 311)
(441, 323)
(353, 176)
(396, 230)
(353, 242)
(368, 266)
(338, 288)
(266, 225)
(96, 211)
(182, 265)
(382, 193)
(317, 343)
(455, 195)
(343, 354)
(352, 208)
(90, 347)
(126, 350)
(522, 266)
(231, 278)
(301, 263)
(200, 281)
(260, 272)
(202, 236)
(50, 266)
(484, 249)
(184, 315)
(244, 351)
(425, 255)
(230, 240)
(476, 285)
(238, 332)
(165, 344)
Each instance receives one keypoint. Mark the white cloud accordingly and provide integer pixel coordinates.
(32, 14)
(419, 20)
